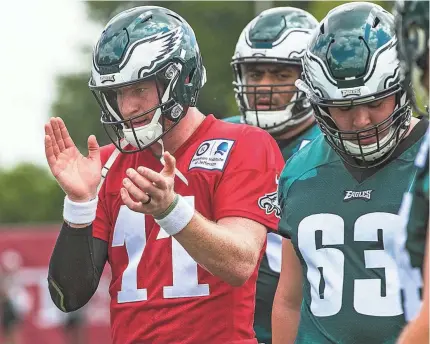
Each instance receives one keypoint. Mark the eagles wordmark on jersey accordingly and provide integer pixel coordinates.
(344, 232)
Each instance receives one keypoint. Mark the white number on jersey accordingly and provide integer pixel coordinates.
(130, 231)
(274, 251)
(274, 241)
(410, 277)
(327, 264)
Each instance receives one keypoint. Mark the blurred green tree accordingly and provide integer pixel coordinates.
(29, 194)
(319, 9)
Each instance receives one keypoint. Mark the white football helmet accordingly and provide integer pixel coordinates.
(352, 60)
(276, 36)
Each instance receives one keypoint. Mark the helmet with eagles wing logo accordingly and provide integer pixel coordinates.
(278, 38)
(140, 45)
(352, 61)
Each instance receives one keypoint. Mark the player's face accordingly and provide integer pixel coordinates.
(270, 81)
(364, 116)
(137, 99)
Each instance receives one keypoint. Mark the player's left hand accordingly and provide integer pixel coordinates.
(149, 192)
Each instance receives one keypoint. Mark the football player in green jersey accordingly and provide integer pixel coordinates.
(339, 196)
(412, 24)
(266, 63)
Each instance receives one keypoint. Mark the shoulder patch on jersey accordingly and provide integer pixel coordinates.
(212, 154)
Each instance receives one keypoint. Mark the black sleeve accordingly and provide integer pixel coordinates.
(75, 267)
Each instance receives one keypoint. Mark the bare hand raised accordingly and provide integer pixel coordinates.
(77, 175)
(153, 191)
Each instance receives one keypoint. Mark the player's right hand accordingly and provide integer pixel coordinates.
(77, 175)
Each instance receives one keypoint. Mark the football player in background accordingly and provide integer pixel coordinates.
(412, 24)
(266, 63)
(177, 215)
(340, 195)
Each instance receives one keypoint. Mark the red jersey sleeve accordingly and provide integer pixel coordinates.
(102, 225)
(248, 186)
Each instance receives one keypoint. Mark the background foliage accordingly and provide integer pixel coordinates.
(28, 193)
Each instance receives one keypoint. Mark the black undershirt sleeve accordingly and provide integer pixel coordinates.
(75, 267)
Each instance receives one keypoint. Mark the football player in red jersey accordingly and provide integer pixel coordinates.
(183, 220)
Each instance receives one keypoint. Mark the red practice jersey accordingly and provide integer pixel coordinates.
(159, 294)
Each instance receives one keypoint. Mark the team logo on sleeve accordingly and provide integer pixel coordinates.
(212, 155)
(364, 195)
(269, 202)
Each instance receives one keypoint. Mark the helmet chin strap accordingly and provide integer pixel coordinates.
(147, 133)
(388, 141)
(354, 148)
(141, 133)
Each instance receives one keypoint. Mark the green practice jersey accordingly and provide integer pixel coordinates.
(415, 213)
(234, 119)
(270, 266)
(343, 224)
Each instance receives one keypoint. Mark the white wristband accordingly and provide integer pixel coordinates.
(80, 213)
(178, 218)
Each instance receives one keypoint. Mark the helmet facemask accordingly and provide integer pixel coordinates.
(274, 40)
(265, 105)
(350, 144)
(351, 62)
(125, 127)
(156, 47)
